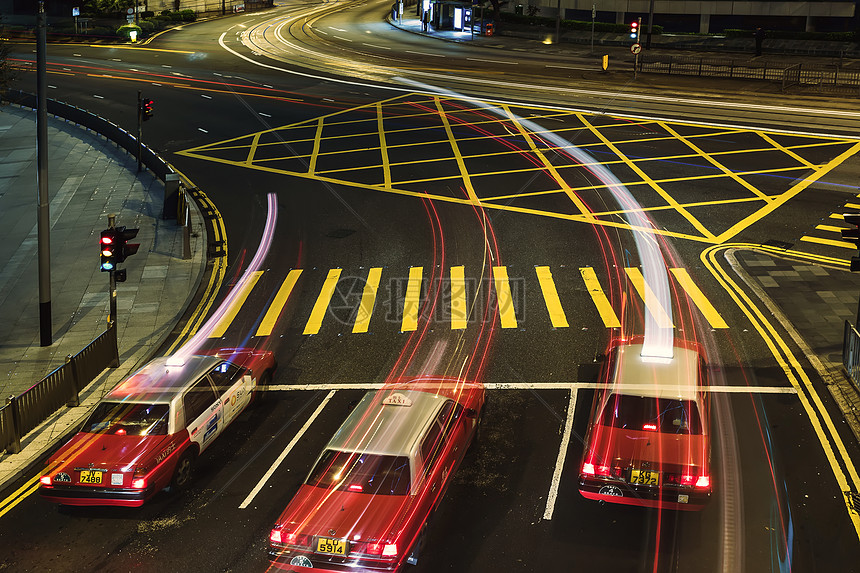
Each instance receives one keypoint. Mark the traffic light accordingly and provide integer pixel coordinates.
(852, 236)
(146, 108)
(107, 249)
(123, 249)
(634, 29)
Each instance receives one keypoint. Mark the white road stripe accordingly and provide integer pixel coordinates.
(425, 54)
(375, 46)
(567, 67)
(286, 451)
(491, 61)
(559, 462)
(527, 386)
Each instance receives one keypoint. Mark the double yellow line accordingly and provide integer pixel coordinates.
(825, 430)
(216, 277)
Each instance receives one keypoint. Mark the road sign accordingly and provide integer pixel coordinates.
(635, 48)
(130, 11)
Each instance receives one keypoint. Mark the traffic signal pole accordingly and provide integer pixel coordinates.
(139, 122)
(112, 313)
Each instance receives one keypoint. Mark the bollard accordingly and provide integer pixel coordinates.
(74, 400)
(15, 446)
(171, 195)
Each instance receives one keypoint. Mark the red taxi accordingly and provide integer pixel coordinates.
(146, 433)
(364, 505)
(647, 442)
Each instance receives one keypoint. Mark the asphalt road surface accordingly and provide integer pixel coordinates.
(378, 180)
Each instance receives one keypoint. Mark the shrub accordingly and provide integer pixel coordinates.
(147, 26)
(188, 15)
(126, 29)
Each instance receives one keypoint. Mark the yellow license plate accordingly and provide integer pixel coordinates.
(331, 546)
(91, 476)
(644, 477)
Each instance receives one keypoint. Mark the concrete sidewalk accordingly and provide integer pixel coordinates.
(89, 177)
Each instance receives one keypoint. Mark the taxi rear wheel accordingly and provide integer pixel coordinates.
(183, 471)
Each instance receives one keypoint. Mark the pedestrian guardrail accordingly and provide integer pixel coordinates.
(20, 414)
(851, 352)
(830, 78)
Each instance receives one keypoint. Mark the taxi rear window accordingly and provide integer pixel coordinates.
(129, 419)
(654, 414)
(362, 473)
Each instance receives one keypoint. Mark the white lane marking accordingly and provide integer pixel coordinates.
(52, 87)
(203, 130)
(491, 61)
(567, 67)
(165, 66)
(344, 39)
(116, 59)
(78, 55)
(528, 386)
(559, 462)
(286, 451)
(206, 96)
(98, 96)
(338, 29)
(424, 54)
(265, 114)
(375, 46)
(267, 86)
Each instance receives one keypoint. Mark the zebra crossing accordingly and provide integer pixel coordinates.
(456, 298)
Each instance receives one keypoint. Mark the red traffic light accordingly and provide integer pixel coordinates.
(147, 107)
(634, 25)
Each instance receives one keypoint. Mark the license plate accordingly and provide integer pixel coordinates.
(644, 477)
(331, 546)
(91, 476)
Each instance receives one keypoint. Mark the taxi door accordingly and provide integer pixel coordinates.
(233, 385)
(203, 413)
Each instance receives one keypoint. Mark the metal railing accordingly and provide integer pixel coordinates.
(832, 77)
(851, 352)
(20, 414)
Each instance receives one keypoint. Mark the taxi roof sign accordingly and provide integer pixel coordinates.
(397, 399)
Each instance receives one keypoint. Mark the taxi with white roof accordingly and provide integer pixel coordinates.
(147, 432)
(365, 503)
(647, 442)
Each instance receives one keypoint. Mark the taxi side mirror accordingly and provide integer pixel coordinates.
(471, 413)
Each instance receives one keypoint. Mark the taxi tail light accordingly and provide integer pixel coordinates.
(591, 470)
(382, 549)
(703, 482)
(45, 480)
(281, 536)
(138, 480)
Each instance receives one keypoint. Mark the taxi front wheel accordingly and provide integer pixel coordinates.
(182, 473)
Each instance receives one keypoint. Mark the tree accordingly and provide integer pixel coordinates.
(6, 72)
(104, 7)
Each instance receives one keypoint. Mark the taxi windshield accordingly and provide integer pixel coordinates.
(363, 473)
(655, 414)
(126, 418)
